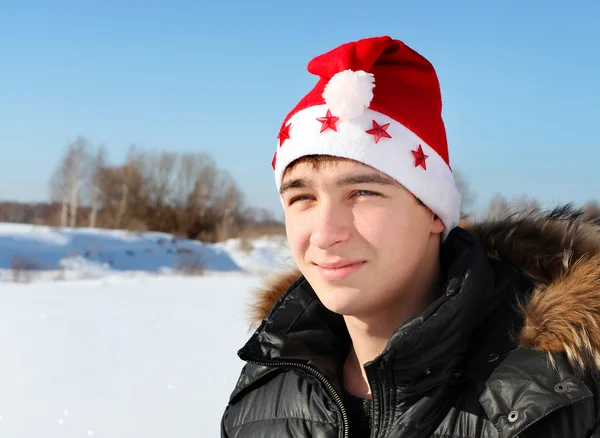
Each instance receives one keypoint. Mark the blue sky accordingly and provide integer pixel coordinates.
(520, 83)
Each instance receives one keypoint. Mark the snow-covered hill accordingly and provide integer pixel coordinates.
(39, 252)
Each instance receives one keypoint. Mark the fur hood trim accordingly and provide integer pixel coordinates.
(558, 250)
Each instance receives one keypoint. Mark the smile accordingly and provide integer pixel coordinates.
(339, 270)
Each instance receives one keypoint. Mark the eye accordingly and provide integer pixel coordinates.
(365, 193)
(299, 198)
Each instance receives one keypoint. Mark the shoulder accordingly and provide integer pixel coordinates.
(550, 262)
(533, 391)
(558, 254)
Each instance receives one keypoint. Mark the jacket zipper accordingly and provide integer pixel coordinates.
(322, 378)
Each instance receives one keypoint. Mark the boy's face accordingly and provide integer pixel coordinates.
(358, 237)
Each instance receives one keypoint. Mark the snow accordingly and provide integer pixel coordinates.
(127, 349)
(51, 253)
(263, 255)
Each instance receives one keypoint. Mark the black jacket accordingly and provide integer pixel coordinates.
(511, 347)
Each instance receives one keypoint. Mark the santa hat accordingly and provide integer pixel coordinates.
(377, 102)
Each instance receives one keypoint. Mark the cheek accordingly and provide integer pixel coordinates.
(376, 226)
(298, 234)
(391, 231)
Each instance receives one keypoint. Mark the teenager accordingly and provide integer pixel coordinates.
(400, 322)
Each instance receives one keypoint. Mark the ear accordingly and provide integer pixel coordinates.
(437, 225)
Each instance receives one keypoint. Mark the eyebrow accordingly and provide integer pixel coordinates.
(366, 178)
(297, 183)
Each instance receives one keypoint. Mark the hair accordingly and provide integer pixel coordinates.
(316, 162)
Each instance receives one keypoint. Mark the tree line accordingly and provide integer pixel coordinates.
(185, 194)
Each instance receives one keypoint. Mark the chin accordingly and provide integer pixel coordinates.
(344, 300)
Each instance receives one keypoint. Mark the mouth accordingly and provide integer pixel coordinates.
(339, 270)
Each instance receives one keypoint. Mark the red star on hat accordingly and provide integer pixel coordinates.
(379, 131)
(284, 134)
(420, 158)
(328, 121)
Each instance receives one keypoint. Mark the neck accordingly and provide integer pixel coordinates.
(371, 333)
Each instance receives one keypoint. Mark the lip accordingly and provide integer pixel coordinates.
(339, 270)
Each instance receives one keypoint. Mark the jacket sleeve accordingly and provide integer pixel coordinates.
(223, 431)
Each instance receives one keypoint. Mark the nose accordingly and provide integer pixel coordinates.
(330, 225)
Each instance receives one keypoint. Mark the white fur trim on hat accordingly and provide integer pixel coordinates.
(435, 186)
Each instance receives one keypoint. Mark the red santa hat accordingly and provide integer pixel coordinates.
(377, 102)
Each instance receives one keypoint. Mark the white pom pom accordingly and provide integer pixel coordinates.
(348, 93)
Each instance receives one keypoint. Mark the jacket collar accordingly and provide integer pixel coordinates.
(300, 330)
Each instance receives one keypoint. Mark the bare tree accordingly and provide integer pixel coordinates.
(130, 175)
(203, 177)
(97, 165)
(191, 197)
(68, 180)
(159, 175)
(229, 200)
(205, 186)
(76, 176)
(122, 204)
(58, 193)
(195, 177)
